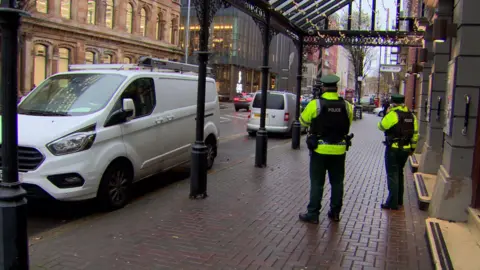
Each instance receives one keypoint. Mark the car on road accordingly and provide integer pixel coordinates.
(379, 111)
(92, 132)
(279, 116)
(242, 101)
(304, 100)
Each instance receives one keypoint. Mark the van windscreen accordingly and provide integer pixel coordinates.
(274, 101)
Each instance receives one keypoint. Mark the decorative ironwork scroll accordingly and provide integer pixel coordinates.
(264, 27)
(365, 38)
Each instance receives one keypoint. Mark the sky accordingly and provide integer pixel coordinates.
(381, 18)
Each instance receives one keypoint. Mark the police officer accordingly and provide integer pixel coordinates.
(401, 132)
(329, 119)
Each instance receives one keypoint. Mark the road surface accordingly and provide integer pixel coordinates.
(235, 146)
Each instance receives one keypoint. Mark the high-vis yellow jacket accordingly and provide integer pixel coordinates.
(391, 119)
(312, 110)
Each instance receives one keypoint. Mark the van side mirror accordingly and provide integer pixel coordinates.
(128, 107)
(123, 114)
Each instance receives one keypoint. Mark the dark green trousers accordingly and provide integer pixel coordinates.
(319, 166)
(395, 160)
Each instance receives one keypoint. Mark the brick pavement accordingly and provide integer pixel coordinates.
(250, 222)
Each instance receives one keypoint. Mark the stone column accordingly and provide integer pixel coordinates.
(79, 11)
(432, 149)
(53, 8)
(151, 24)
(422, 101)
(80, 53)
(453, 190)
(55, 58)
(28, 63)
(100, 13)
(74, 10)
(120, 15)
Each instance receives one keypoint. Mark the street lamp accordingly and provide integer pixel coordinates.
(13, 204)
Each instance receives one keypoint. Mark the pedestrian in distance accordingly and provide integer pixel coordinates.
(329, 119)
(401, 136)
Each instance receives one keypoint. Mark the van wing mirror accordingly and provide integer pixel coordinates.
(128, 107)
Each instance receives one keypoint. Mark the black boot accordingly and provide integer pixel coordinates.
(308, 218)
(387, 207)
(334, 216)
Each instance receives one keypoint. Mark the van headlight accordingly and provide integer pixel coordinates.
(72, 143)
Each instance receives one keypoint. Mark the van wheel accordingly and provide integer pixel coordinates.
(252, 133)
(115, 188)
(211, 151)
(237, 109)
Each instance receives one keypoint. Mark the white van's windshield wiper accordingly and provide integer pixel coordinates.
(43, 113)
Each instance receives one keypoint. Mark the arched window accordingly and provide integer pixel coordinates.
(129, 19)
(40, 64)
(65, 9)
(41, 6)
(109, 16)
(160, 26)
(107, 59)
(143, 22)
(91, 11)
(90, 58)
(63, 59)
(127, 60)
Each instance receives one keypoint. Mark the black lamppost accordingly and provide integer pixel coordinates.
(296, 129)
(262, 139)
(13, 204)
(198, 178)
(206, 10)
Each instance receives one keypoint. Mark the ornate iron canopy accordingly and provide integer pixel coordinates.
(365, 38)
(307, 14)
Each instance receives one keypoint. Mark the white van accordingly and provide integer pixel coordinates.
(280, 113)
(92, 133)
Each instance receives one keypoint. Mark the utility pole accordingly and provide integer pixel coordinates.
(187, 32)
(388, 28)
(359, 68)
(360, 15)
(379, 73)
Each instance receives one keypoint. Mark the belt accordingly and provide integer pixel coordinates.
(320, 142)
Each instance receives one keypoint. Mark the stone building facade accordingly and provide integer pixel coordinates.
(63, 32)
(447, 158)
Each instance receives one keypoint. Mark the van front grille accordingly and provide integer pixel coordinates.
(29, 159)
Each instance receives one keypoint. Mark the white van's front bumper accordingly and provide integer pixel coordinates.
(81, 164)
(272, 129)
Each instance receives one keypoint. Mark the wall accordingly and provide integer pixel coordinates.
(58, 31)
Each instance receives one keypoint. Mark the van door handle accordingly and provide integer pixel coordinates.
(159, 120)
(170, 117)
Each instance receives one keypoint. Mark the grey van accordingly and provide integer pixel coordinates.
(280, 113)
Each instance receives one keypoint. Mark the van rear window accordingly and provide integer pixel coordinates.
(274, 101)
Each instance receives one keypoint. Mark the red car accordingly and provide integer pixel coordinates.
(242, 101)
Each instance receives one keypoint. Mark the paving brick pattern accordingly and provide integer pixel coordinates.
(250, 221)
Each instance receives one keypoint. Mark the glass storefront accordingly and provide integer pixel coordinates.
(237, 47)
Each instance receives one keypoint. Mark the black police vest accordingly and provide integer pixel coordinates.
(332, 124)
(402, 132)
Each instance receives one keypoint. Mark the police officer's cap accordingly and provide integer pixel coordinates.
(329, 80)
(397, 98)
